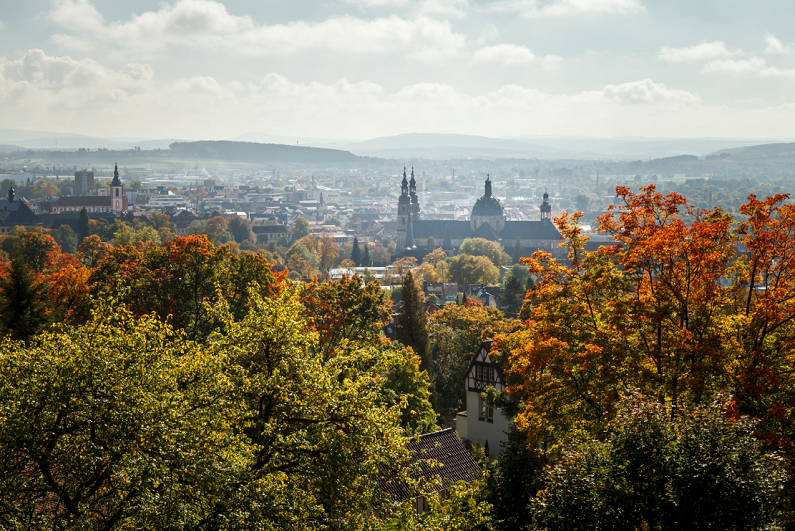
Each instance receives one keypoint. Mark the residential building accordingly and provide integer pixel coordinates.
(482, 422)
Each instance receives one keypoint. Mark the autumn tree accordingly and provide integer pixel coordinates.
(411, 323)
(650, 313)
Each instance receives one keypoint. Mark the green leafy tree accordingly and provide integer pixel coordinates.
(407, 381)
(34, 248)
(160, 221)
(125, 424)
(518, 251)
(466, 269)
(483, 247)
(84, 224)
(431, 243)
(23, 301)
(241, 230)
(411, 323)
(356, 252)
(300, 228)
(693, 470)
(65, 237)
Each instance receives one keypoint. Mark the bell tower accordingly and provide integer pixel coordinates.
(546, 209)
(117, 199)
(404, 210)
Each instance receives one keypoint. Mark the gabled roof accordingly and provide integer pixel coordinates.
(82, 200)
(457, 230)
(480, 356)
(442, 447)
(17, 213)
(487, 232)
(529, 230)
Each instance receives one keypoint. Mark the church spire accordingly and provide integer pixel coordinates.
(488, 186)
(404, 185)
(116, 181)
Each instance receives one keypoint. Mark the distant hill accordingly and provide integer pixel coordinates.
(6, 148)
(763, 150)
(253, 152)
(448, 146)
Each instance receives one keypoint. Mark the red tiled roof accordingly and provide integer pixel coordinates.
(83, 200)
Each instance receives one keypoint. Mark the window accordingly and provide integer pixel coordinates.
(117, 192)
(486, 409)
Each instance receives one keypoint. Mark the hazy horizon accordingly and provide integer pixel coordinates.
(352, 70)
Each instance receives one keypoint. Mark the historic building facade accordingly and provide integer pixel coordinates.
(488, 220)
(115, 203)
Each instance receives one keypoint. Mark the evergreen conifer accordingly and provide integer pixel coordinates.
(366, 261)
(513, 295)
(23, 307)
(517, 251)
(83, 225)
(356, 252)
(411, 324)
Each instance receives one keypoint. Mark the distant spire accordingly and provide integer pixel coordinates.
(488, 186)
(408, 242)
(116, 181)
(404, 185)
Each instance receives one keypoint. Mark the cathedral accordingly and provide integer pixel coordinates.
(488, 220)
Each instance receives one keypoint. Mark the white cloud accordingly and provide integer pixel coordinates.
(378, 3)
(512, 54)
(207, 24)
(647, 91)
(704, 51)
(775, 46)
(444, 8)
(753, 66)
(38, 88)
(566, 8)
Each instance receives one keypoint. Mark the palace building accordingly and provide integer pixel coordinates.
(115, 203)
(488, 220)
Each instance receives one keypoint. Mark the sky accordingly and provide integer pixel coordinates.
(359, 69)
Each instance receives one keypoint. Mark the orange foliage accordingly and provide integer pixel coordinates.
(672, 310)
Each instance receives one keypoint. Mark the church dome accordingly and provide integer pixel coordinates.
(488, 205)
